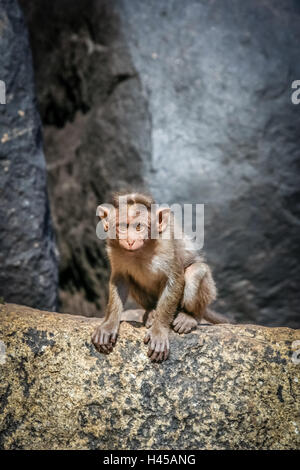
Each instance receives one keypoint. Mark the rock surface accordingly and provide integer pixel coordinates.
(193, 102)
(28, 259)
(223, 387)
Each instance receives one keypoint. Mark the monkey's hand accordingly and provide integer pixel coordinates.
(158, 338)
(105, 336)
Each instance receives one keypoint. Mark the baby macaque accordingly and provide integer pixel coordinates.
(163, 274)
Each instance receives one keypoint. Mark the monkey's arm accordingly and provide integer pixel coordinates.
(105, 335)
(167, 304)
(169, 299)
(118, 292)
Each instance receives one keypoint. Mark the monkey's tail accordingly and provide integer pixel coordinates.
(214, 317)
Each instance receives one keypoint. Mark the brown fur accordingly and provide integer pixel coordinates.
(165, 276)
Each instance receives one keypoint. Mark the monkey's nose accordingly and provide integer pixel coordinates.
(130, 243)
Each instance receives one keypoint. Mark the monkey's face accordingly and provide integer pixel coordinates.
(131, 225)
(132, 229)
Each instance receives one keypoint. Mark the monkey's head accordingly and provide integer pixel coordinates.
(132, 221)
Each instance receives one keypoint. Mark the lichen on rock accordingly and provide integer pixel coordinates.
(223, 387)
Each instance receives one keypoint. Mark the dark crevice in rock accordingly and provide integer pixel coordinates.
(96, 129)
(279, 393)
(4, 398)
(117, 80)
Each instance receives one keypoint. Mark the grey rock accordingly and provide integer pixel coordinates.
(223, 387)
(28, 257)
(194, 102)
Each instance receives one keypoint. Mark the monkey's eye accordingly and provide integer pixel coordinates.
(140, 226)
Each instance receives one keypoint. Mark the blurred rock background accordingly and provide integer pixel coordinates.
(191, 100)
(28, 255)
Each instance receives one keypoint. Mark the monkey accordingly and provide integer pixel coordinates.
(165, 275)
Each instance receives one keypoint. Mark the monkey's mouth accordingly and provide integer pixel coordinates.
(132, 250)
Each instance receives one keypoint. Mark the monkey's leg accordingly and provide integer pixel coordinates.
(157, 336)
(206, 294)
(185, 321)
(199, 292)
(105, 335)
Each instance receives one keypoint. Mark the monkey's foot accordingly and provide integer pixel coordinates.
(104, 337)
(184, 323)
(158, 339)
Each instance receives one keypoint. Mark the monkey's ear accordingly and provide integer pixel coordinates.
(103, 213)
(163, 216)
